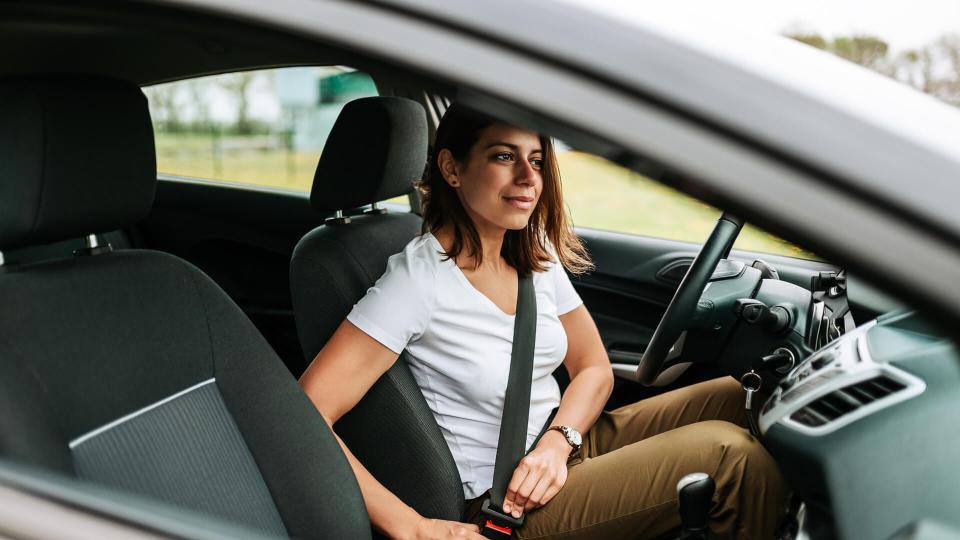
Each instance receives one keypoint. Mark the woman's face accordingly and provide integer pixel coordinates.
(500, 182)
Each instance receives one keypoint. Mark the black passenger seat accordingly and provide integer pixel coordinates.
(131, 368)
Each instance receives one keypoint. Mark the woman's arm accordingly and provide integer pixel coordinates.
(543, 471)
(340, 375)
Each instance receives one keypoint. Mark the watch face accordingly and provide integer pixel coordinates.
(574, 437)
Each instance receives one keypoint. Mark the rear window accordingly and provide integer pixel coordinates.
(264, 127)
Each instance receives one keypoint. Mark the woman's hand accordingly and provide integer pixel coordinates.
(539, 475)
(438, 529)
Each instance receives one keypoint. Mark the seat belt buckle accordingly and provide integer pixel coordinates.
(499, 525)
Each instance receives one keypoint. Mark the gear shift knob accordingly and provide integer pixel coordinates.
(694, 493)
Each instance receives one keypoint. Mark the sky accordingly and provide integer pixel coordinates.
(904, 24)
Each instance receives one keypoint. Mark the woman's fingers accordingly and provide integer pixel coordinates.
(540, 476)
(534, 479)
(558, 483)
(519, 475)
(536, 498)
(546, 489)
(551, 492)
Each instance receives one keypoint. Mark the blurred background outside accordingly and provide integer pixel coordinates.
(268, 128)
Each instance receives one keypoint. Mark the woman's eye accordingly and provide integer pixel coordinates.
(503, 156)
(537, 163)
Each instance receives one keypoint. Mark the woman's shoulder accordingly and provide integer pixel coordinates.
(418, 260)
(423, 250)
(407, 286)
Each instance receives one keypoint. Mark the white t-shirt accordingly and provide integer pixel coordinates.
(458, 345)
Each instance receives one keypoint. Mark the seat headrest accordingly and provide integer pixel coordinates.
(76, 157)
(376, 150)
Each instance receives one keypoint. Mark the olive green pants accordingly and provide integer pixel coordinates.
(624, 484)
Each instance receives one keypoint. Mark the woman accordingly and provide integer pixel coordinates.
(493, 209)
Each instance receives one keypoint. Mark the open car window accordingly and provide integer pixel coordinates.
(264, 127)
(604, 195)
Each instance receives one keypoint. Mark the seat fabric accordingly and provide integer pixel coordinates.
(97, 338)
(102, 357)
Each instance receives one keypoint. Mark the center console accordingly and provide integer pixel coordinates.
(835, 386)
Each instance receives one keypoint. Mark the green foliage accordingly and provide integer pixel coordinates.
(814, 40)
(867, 51)
(934, 69)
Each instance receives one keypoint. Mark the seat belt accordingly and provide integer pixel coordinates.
(511, 446)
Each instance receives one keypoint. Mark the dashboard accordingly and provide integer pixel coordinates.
(867, 430)
(836, 386)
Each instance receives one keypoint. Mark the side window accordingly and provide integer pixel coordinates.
(262, 127)
(603, 195)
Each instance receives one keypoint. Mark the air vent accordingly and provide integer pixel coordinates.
(846, 400)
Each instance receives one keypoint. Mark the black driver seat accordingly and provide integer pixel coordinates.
(131, 368)
(377, 148)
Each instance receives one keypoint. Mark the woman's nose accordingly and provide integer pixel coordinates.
(525, 173)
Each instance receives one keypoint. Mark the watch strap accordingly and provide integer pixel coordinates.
(564, 430)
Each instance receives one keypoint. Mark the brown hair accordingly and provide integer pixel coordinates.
(526, 249)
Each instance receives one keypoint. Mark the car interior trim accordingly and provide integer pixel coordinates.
(163, 177)
(107, 427)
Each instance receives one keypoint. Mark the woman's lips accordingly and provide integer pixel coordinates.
(523, 203)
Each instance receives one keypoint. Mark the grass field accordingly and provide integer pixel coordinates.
(599, 194)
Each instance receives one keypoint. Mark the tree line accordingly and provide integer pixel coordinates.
(933, 69)
(168, 101)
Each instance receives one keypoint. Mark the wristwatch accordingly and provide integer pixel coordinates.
(573, 437)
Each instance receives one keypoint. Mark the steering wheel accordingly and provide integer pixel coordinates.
(684, 303)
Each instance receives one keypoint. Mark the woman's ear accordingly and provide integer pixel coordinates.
(448, 167)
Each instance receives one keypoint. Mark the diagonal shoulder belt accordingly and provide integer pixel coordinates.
(511, 446)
